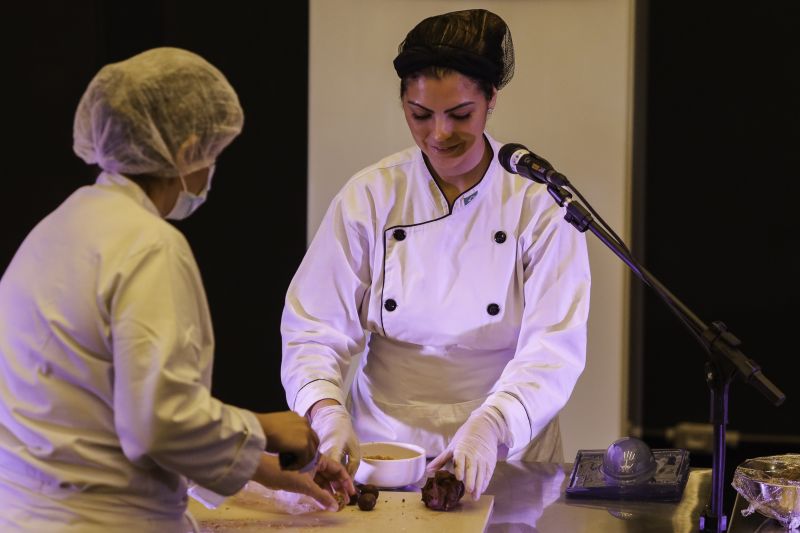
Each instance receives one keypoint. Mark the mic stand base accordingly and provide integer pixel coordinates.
(718, 378)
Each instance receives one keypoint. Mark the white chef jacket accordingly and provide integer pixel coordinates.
(106, 352)
(481, 303)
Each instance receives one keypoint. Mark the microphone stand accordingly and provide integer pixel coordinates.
(725, 360)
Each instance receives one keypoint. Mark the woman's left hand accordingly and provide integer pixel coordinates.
(474, 451)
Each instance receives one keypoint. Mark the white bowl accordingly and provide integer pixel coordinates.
(406, 466)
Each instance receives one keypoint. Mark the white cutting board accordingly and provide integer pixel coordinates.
(394, 511)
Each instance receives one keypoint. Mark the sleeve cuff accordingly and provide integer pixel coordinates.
(516, 417)
(314, 391)
(247, 456)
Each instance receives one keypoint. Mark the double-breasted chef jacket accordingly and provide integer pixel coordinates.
(106, 353)
(484, 302)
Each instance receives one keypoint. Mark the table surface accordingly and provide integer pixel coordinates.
(250, 512)
(530, 497)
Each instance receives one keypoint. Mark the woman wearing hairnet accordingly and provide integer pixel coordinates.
(462, 283)
(106, 344)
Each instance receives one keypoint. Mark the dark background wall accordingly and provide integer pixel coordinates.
(716, 167)
(250, 235)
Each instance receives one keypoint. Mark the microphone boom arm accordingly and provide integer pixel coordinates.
(725, 360)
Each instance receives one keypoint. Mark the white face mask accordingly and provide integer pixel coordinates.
(188, 202)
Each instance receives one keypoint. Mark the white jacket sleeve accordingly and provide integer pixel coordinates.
(322, 327)
(551, 350)
(163, 352)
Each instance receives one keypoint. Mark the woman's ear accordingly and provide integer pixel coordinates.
(182, 158)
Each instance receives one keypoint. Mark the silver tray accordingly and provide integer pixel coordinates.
(588, 480)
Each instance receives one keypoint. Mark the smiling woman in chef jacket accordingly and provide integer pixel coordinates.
(462, 283)
(106, 345)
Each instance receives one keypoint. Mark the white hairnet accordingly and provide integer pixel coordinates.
(164, 112)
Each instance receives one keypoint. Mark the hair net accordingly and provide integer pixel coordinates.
(164, 112)
(475, 42)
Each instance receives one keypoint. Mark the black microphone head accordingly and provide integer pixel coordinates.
(504, 156)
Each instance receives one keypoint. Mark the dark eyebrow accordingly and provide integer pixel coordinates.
(462, 104)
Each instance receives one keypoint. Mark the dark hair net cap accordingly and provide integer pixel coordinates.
(164, 112)
(474, 42)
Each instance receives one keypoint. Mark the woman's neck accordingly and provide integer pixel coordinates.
(453, 186)
(161, 191)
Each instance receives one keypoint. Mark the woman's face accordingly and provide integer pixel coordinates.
(447, 117)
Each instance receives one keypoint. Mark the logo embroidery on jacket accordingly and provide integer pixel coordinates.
(469, 198)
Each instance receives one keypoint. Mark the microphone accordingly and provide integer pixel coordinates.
(517, 159)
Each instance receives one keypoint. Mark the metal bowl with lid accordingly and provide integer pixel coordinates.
(628, 461)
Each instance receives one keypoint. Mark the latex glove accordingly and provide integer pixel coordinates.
(328, 476)
(336, 435)
(474, 450)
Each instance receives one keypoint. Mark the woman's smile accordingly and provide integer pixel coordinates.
(447, 117)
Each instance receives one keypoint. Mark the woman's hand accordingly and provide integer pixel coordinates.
(338, 439)
(329, 476)
(287, 431)
(473, 450)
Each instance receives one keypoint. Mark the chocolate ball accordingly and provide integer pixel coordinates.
(367, 501)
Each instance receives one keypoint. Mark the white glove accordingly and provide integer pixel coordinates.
(337, 436)
(474, 449)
